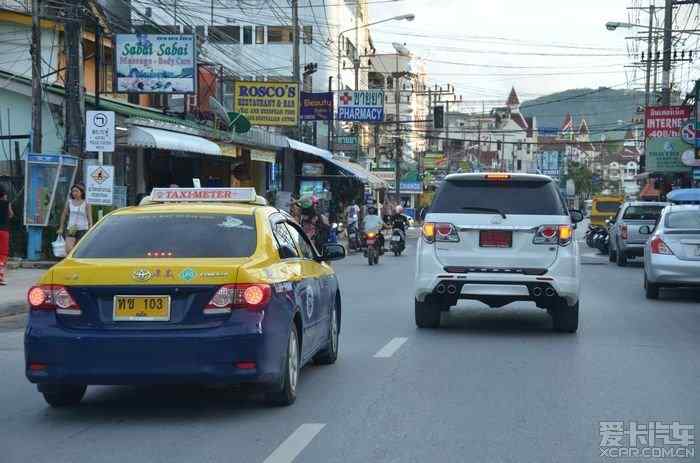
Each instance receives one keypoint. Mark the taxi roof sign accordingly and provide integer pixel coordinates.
(179, 195)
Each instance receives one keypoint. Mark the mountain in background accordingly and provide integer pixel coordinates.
(602, 108)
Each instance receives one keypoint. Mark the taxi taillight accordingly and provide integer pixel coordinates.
(52, 297)
(254, 296)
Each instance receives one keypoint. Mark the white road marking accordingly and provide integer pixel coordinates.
(390, 348)
(295, 444)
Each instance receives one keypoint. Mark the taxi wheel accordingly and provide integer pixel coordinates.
(64, 396)
(329, 355)
(287, 394)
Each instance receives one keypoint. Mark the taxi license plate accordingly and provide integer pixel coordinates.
(141, 308)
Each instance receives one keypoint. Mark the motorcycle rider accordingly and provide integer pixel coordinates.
(398, 220)
(352, 219)
(373, 222)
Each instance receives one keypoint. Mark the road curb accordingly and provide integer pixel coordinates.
(30, 264)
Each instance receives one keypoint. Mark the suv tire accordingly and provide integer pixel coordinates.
(565, 317)
(612, 255)
(427, 314)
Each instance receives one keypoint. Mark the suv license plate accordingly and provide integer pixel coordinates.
(495, 239)
(141, 308)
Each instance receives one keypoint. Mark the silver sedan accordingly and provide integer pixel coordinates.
(672, 253)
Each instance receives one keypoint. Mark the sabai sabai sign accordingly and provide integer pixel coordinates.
(155, 63)
(267, 103)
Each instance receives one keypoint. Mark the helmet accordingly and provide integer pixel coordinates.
(399, 209)
(306, 202)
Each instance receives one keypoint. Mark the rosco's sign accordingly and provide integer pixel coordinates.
(268, 103)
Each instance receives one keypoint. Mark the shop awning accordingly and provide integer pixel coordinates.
(147, 137)
(350, 168)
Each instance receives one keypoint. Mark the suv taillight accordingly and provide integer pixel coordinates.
(554, 234)
(440, 231)
(53, 297)
(240, 296)
(623, 232)
(659, 247)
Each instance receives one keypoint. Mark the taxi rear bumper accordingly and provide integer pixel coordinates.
(221, 355)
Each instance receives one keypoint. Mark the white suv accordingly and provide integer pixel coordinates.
(498, 238)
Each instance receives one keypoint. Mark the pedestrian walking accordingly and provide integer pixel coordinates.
(77, 211)
(5, 215)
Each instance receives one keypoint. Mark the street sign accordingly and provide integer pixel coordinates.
(688, 133)
(345, 143)
(99, 131)
(99, 185)
(361, 106)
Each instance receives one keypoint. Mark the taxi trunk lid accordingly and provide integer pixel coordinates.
(144, 294)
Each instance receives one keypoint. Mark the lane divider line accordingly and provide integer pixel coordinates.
(390, 348)
(295, 443)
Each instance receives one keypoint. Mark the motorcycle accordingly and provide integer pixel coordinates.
(398, 241)
(353, 237)
(601, 240)
(373, 252)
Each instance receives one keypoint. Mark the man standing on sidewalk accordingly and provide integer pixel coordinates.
(5, 215)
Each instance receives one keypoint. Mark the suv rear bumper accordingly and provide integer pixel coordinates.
(500, 288)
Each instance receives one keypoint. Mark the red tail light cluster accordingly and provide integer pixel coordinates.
(624, 234)
(240, 296)
(554, 234)
(441, 232)
(659, 247)
(52, 297)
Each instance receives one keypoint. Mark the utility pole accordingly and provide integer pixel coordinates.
(74, 93)
(296, 71)
(397, 155)
(36, 77)
(649, 56)
(666, 70)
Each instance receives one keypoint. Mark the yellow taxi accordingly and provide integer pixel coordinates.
(191, 286)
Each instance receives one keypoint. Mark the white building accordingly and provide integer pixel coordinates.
(254, 40)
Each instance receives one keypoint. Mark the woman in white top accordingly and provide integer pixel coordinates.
(77, 211)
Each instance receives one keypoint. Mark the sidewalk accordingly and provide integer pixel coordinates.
(13, 296)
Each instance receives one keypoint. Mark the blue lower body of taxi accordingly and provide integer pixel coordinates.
(243, 346)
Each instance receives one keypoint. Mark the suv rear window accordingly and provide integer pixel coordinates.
(525, 197)
(180, 235)
(642, 212)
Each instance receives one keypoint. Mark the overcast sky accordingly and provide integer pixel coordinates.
(501, 36)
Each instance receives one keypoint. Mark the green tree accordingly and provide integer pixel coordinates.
(582, 177)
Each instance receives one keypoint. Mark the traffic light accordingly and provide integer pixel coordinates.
(438, 117)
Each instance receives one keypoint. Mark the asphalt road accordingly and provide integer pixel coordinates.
(491, 386)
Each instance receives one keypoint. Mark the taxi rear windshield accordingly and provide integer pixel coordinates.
(170, 235)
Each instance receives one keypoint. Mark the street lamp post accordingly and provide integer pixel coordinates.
(356, 61)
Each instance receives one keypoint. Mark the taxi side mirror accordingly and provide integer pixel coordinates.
(332, 251)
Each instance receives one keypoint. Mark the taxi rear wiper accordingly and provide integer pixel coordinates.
(485, 209)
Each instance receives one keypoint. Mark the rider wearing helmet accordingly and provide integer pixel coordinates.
(398, 219)
(314, 223)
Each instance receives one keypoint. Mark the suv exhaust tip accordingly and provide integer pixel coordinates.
(440, 289)
(451, 290)
(537, 291)
(549, 292)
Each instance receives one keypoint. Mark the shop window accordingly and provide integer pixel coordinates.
(259, 35)
(225, 34)
(308, 35)
(280, 34)
(247, 35)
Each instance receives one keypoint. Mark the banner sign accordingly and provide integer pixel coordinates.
(316, 106)
(267, 103)
(99, 185)
(345, 143)
(664, 142)
(263, 156)
(548, 163)
(154, 63)
(434, 161)
(312, 169)
(361, 106)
